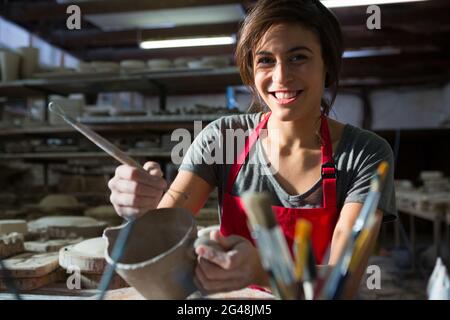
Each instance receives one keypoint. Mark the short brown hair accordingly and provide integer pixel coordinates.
(311, 14)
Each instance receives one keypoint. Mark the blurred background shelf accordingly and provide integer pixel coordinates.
(174, 83)
(80, 155)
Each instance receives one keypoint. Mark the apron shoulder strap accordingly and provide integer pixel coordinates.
(236, 166)
(328, 168)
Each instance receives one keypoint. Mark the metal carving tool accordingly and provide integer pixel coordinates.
(101, 142)
(123, 158)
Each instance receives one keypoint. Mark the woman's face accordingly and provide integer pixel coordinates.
(289, 71)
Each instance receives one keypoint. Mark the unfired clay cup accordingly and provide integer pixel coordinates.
(159, 259)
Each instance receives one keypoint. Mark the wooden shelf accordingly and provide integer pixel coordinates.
(80, 155)
(154, 123)
(187, 81)
(117, 127)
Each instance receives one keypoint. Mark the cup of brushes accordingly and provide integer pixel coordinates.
(295, 276)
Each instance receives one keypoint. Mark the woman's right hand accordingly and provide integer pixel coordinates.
(135, 191)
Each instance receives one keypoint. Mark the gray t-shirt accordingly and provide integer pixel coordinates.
(356, 158)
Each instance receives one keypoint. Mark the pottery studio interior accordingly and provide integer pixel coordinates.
(118, 179)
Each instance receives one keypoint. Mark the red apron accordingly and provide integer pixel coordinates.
(323, 220)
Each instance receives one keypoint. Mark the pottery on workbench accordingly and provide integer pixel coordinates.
(159, 259)
(59, 227)
(89, 257)
(13, 225)
(57, 204)
(11, 244)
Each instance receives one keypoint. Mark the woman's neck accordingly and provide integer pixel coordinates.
(299, 134)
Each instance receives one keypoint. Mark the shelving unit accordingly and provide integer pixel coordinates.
(184, 81)
(151, 83)
(80, 155)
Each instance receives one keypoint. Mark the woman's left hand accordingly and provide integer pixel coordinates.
(235, 267)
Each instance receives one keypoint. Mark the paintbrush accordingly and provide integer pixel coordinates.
(101, 142)
(301, 239)
(338, 276)
(272, 245)
(305, 266)
(360, 251)
(371, 202)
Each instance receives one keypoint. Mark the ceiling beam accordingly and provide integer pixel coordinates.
(97, 38)
(354, 36)
(397, 13)
(118, 54)
(21, 12)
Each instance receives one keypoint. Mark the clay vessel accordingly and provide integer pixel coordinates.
(159, 259)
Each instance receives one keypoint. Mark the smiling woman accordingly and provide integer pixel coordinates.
(289, 72)
(320, 28)
(313, 167)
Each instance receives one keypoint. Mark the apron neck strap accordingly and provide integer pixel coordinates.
(236, 167)
(328, 170)
(326, 145)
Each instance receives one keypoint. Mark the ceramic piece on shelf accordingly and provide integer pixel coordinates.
(29, 62)
(9, 65)
(85, 67)
(97, 110)
(159, 259)
(156, 64)
(216, 61)
(13, 225)
(31, 265)
(68, 226)
(436, 185)
(132, 64)
(181, 62)
(72, 107)
(431, 175)
(196, 64)
(88, 255)
(105, 66)
(403, 184)
(11, 244)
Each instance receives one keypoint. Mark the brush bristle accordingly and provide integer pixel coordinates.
(259, 209)
(302, 230)
(382, 170)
